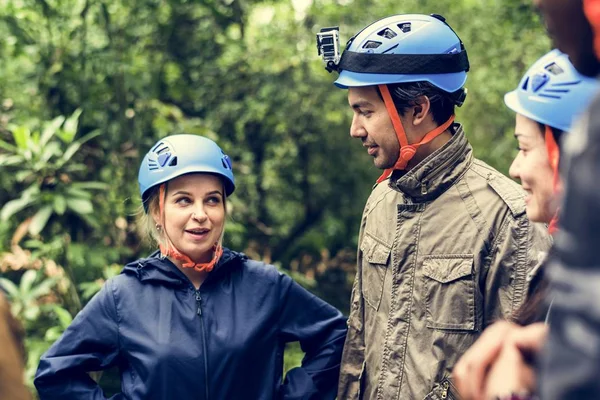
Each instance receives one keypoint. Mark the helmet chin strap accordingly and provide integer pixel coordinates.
(170, 251)
(553, 158)
(407, 151)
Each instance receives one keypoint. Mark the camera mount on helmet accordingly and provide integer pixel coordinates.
(328, 46)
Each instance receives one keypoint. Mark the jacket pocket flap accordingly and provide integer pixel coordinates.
(445, 269)
(374, 251)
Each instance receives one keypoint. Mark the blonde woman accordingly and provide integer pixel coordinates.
(195, 320)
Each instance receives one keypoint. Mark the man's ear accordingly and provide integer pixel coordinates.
(420, 111)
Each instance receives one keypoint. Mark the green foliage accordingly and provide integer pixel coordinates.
(87, 87)
(292, 357)
(40, 162)
(25, 297)
(44, 322)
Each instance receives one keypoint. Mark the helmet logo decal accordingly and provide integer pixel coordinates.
(160, 155)
(538, 81)
(226, 161)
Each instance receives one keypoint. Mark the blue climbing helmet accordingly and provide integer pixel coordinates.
(405, 48)
(552, 92)
(178, 155)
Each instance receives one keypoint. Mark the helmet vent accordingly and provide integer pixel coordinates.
(554, 69)
(173, 162)
(371, 44)
(525, 84)
(387, 33)
(405, 27)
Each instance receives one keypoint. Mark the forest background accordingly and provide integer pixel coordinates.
(87, 86)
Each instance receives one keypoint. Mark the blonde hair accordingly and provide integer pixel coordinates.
(151, 231)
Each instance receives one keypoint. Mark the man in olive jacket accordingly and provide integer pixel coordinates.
(445, 245)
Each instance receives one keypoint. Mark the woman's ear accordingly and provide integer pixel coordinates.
(155, 214)
(420, 110)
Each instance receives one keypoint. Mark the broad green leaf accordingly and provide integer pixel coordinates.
(27, 154)
(91, 220)
(73, 167)
(32, 311)
(21, 134)
(51, 129)
(8, 147)
(39, 220)
(64, 317)
(89, 289)
(23, 175)
(10, 287)
(80, 206)
(60, 204)
(70, 126)
(26, 283)
(14, 206)
(78, 193)
(51, 149)
(8, 160)
(34, 142)
(89, 185)
(42, 288)
(53, 333)
(32, 191)
(74, 147)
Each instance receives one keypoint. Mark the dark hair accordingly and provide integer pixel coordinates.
(557, 133)
(405, 96)
(535, 308)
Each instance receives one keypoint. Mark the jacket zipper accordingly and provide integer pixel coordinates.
(204, 349)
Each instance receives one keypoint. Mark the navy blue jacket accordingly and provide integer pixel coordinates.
(224, 341)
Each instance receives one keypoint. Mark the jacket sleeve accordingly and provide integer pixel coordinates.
(515, 252)
(353, 357)
(321, 330)
(90, 343)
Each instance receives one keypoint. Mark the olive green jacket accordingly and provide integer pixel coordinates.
(444, 251)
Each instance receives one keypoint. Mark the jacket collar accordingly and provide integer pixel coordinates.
(438, 171)
(156, 268)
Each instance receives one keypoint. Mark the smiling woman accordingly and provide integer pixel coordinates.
(549, 97)
(195, 319)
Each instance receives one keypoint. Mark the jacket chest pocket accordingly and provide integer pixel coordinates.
(375, 255)
(450, 291)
